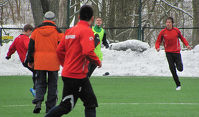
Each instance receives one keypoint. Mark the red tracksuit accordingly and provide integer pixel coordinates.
(170, 39)
(20, 45)
(76, 49)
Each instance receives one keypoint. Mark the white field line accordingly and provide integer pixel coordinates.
(150, 103)
(7, 106)
(142, 77)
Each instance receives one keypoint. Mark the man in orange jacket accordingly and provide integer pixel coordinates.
(78, 49)
(42, 55)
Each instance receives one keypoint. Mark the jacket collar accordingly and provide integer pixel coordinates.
(84, 23)
(49, 21)
(169, 29)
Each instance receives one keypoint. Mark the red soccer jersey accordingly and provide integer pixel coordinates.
(76, 49)
(20, 45)
(171, 40)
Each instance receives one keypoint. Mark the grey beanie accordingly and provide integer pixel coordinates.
(49, 16)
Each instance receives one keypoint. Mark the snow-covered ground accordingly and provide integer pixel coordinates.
(119, 63)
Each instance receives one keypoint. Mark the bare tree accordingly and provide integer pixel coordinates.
(115, 13)
(18, 9)
(62, 13)
(195, 35)
(45, 6)
(37, 11)
(54, 6)
(59, 7)
(12, 11)
(40, 7)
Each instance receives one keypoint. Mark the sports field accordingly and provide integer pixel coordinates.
(117, 97)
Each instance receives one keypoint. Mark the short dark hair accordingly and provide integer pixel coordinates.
(86, 12)
(170, 18)
(27, 27)
(98, 18)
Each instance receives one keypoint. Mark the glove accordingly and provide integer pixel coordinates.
(8, 57)
(107, 46)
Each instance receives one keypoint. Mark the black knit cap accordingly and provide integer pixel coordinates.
(86, 12)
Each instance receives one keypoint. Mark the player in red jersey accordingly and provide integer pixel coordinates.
(75, 51)
(20, 44)
(170, 36)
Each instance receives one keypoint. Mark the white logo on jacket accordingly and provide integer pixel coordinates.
(70, 37)
(91, 38)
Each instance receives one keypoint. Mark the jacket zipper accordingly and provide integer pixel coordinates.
(84, 64)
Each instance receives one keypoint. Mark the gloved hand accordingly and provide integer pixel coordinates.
(107, 46)
(8, 57)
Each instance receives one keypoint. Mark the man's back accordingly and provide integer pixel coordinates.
(20, 45)
(78, 47)
(46, 38)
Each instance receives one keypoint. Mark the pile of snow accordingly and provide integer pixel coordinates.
(119, 63)
(12, 66)
(148, 63)
(134, 45)
(196, 48)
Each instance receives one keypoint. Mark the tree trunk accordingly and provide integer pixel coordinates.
(45, 6)
(62, 13)
(104, 12)
(77, 13)
(18, 5)
(2, 14)
(136, 20)
(12, 11)
(96, 8)
(37, 11)
(195, 34)
(111, 19)
(54, 6)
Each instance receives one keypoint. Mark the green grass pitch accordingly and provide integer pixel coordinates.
(117, 97)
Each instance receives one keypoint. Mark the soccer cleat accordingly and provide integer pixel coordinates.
(178, 88)
(37, 108)
(33, 92)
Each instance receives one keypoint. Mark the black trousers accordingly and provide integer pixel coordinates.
(72, 90)
(46, 79)
(175, 61)
(91, 68)
(34, 75)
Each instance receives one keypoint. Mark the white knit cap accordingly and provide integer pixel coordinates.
(50, 16)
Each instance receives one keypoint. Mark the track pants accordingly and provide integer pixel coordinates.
(175, 61)
(91, 68)
(72, 90)
(42, 82)
(34, 75)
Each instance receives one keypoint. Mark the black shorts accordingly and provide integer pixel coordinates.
(78, 88)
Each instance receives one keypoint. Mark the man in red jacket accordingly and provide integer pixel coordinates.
(75, 51)
(20, 45)
(170, 36)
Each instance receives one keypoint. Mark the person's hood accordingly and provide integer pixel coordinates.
(47, 28)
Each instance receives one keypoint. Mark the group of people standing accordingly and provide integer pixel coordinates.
(78, 51)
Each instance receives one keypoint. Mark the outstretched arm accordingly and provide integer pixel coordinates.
(158, 42)
(184, 40)
(104, 41)
(11, 50)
